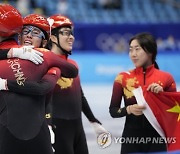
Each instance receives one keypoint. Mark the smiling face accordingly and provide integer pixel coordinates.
(66, 38)
(139, 57)
(32, 36)
(63, 37)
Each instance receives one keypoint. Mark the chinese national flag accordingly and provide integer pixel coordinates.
(163, 112)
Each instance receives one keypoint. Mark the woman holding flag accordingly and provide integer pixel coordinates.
(138, 132)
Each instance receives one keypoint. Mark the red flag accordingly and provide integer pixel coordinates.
(163, 112)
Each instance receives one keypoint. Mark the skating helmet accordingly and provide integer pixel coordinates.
(10, 20)
(38, 21)
(57, 21)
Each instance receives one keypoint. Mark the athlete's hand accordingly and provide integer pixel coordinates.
(27, 53)
(98, 128)
(3, 84)
(154, 87)
(135, 109)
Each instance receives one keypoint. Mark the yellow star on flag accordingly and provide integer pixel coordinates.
(175, 109)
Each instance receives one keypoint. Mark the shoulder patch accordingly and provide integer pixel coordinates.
(119, 78)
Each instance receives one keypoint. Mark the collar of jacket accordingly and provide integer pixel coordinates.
(149, 70)
(63, 57)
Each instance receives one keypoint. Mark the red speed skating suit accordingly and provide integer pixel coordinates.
(25, 113)
(125, 82)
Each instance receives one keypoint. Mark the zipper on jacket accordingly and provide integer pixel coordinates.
(144, 74)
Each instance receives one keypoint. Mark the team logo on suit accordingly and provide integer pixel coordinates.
(65, 82)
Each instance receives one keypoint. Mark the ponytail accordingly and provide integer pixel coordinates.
(156, 65)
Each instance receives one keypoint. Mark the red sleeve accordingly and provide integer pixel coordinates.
(42, 87)
(68, 70)
(170, 85)
(73, 62)
(116, 99)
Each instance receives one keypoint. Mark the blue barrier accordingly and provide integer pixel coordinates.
(103, 68)
(115, 37)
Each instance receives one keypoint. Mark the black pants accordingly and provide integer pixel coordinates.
(69, 137)
(141, 141)
(41, 144)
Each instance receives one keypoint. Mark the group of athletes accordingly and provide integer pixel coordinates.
(38, 81)
(41, 94)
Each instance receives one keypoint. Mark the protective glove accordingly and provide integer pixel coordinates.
(98, 128)
(3, 84)
(27, 53)
(52, 134)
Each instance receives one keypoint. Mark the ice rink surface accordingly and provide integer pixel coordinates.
(98, 97)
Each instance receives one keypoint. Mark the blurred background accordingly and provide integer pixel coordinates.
(102, 31)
